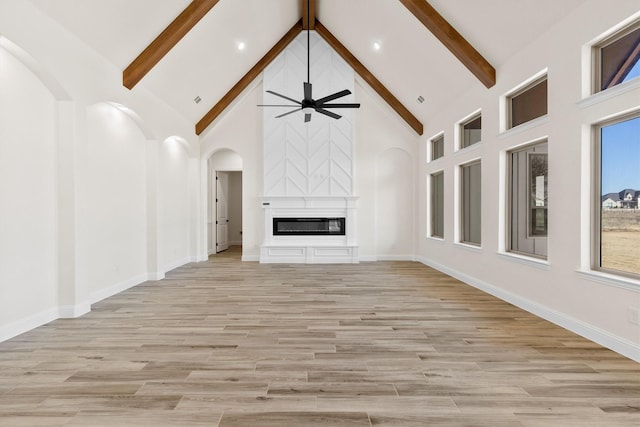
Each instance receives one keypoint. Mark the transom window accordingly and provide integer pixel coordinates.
(471, 131)
(528, 103)
(437, 147)
(616, 58)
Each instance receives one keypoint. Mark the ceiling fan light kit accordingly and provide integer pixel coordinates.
(308, 105)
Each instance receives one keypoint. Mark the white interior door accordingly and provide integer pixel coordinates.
(222, 211)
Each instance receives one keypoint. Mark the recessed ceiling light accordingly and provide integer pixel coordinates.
(242, 46)
(377, 46)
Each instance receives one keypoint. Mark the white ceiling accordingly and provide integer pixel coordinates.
(206, 62)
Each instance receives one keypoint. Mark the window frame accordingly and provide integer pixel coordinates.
(431, 219)
(459, 130)
(596, 54)
(595, 258)
(509, 199)
(461, 204)
(523, 88)
(432, 142)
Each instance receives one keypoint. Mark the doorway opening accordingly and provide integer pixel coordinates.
(224, 224)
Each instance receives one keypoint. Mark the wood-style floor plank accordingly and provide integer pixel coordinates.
(226, 343)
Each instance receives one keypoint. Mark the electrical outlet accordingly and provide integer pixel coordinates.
(634, 315)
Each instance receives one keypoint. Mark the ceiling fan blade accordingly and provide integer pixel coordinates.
(276, 105)
(307, 117)
(333, 96)
(340, 106)
(307, 92)
(327, 113)
(285, 97)
(287, 113)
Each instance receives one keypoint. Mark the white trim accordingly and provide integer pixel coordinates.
(250, 258)
(21, 326)
(396, 258)
(468, 247)
(539, 121)
(618, 344)
(175, 264)
(610, 279)
(525, 260)
(73, 311)
(158, 275)
(368, 258)
(613, 92)
(436, 239)
(117, 288)
(505, 111)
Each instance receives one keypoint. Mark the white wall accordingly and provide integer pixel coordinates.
(95, 202)
(555, 290)
(173, 204)
(235, 208)
(28, 215)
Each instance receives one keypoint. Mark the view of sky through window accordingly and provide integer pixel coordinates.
(621, 156)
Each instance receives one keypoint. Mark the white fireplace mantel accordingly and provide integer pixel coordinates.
(309, 249)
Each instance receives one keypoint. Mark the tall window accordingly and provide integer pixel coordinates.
(528, 103)
(471, 131)
(437, 205)
(617, 247)
(437, 147)
(528, 201)
(470, 203)
(616, 58)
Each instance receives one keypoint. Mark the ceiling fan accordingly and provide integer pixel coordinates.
(308, 105)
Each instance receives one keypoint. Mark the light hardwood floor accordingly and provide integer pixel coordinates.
(376, 344)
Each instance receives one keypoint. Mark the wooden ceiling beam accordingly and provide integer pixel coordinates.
(251, 75)
(367, 76)
(453, 40)
(311, 23)
(166, 41)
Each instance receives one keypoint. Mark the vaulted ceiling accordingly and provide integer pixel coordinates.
(411, 62)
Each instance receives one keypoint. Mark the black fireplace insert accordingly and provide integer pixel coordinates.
(308, 226)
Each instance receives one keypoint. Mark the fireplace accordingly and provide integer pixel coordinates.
(309, 229)
(308, 226)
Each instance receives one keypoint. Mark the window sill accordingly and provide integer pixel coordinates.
(610, 279)
(435, 239)
(469, 247)
(439, 159)
(525, 126)
(523, 259)
(610, 93)
(468, 149)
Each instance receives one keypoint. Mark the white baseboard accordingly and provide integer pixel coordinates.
(250, 258)
(73, 311)
(368, 258)
(179, 263)
(618, 344)
(21, 326)
(235, 243)
(158, 275)
(396, 258)
(117, 288)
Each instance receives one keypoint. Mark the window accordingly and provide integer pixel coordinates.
(471, 131)
(616, 58)
(437, 205)
(437, 147)
(528, 103)
(617, 239)
(470, 203)
(528, 201)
